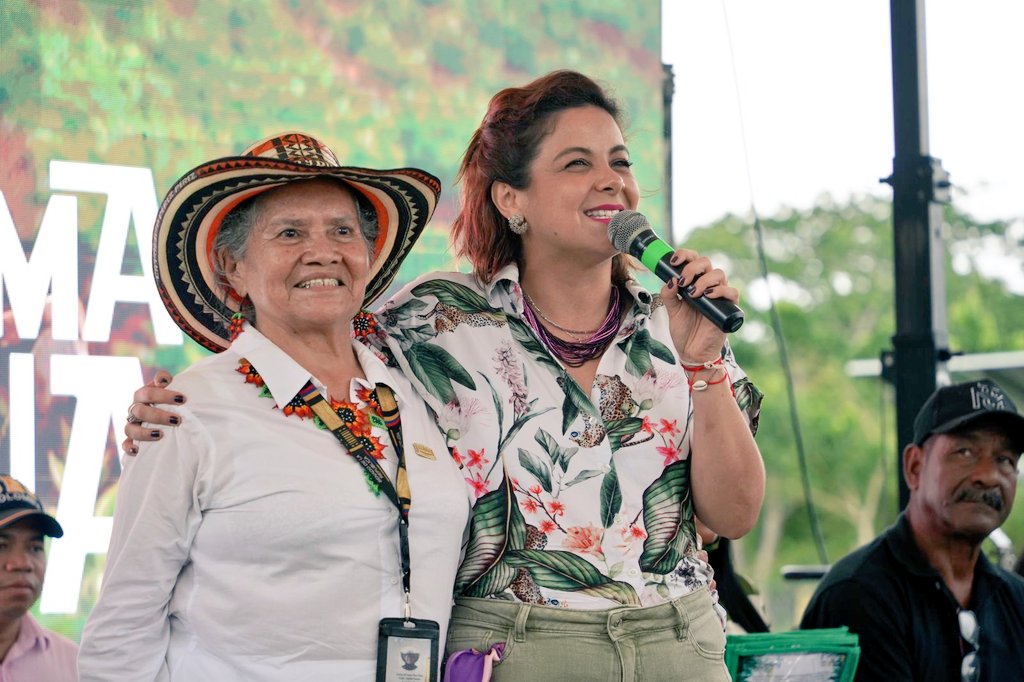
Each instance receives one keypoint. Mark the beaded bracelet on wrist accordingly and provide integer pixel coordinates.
(710, 364)
(699, 385)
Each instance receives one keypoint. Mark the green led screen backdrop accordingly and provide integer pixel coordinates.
(105, 103)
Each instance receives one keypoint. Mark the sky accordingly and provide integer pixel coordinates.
(779, 102)
(794, 99)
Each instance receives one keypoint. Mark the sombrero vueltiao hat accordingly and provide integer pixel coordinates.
(192, 211)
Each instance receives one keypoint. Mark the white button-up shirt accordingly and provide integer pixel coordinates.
(247, 546)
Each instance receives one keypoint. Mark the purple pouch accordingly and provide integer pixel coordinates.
(470, 665)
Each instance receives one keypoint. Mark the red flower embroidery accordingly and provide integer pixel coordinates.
(476, 459)
(251, 375)
(529, 505)
(636, 532)
(556, 508)
(368, 396)
(373, 446)
(299, 408)
(670, 452)
(478, 482)
(353, 417)
(364, 325)
(646, 426)
(584, 540)
(535, 490)
(236, 325)
(669, 427)
(546, 526)
(456, 456)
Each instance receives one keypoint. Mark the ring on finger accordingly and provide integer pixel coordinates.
(132, 419)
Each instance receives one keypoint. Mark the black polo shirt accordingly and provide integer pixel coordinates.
(906, 617)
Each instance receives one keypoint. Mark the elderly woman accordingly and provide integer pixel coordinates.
(307, 502)
(596, 421)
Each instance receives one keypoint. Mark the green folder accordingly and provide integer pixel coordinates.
(826, 655)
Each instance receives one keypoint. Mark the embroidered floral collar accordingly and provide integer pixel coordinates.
(361, 419)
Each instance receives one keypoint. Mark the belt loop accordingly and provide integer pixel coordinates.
(683, 617)
(520, 627)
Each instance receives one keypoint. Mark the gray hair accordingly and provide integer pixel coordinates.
(236, 228)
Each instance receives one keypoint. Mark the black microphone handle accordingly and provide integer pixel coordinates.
(722, 312)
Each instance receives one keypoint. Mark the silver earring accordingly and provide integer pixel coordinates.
(517, 224)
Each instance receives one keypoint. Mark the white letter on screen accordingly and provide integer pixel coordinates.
(54, 262)
(23, 418)
(131, 199)
(102, 387)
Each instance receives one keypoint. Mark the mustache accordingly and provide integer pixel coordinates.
(992, 498)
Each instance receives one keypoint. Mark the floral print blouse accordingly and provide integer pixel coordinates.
(582, 499)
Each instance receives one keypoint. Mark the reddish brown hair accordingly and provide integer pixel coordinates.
(501, 150)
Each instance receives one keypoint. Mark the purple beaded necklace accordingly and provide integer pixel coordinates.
(576, 353)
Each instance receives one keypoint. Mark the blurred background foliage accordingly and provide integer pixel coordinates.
(831, 277)
(170, 83)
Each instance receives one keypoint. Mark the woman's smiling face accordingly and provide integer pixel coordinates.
(580, 178)
(306, 263)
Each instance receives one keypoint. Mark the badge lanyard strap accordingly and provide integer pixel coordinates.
(399, 494)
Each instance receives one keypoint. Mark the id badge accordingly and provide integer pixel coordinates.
(407, 650)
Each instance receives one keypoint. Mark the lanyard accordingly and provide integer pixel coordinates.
(399, 494)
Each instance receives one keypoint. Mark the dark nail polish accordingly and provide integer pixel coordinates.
(179, 399)
(690, 289)
(154, 434)
(174, 420)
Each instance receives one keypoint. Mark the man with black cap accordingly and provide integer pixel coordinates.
(923, 598)
(28, 651)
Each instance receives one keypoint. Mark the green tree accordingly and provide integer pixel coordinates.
(831, 277)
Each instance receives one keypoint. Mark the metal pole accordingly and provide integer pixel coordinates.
(919, 187)
(668, 90)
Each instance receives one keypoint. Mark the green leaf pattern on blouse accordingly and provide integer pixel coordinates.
(520, 544)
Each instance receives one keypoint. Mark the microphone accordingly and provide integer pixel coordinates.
(630, 233)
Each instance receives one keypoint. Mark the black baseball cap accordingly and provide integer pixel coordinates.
(18, 503)
(951, 408)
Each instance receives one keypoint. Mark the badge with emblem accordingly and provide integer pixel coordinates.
(407, 650)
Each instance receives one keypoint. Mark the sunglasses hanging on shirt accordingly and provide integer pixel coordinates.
(970, 631)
